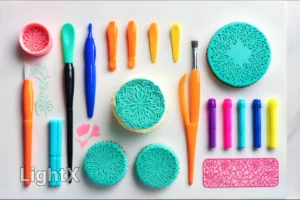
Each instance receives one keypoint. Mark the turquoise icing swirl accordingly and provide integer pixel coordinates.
(140, 104)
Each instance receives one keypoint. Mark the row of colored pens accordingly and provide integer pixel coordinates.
(272, 107)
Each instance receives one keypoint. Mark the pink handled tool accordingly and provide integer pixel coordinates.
(227, 126)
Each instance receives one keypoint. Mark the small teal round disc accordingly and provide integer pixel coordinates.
(239, 54)
(157, 166)
(105, 163)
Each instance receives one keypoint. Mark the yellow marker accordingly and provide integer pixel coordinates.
(153, 41)
(175, 39)
(272, 123)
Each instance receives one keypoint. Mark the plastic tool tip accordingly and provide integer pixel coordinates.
(90, 30)
(227, 103)
(256, 103)
(211, 103)
(241, 103)
(194, 43)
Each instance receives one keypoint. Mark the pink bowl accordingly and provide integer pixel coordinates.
(35, 39)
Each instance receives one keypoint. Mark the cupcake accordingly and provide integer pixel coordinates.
(139, 105)
(105, 163)
(157, 166)
(239, 54)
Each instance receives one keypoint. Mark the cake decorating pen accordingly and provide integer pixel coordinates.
(256, 108)
(90, 72)
(272, 123)
(241, 106)
(227, 124)
(212, 123)
(68, 41)
(191, 121)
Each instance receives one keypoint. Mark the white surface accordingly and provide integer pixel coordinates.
(199, 20)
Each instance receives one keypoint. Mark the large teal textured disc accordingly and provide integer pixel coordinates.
(239, 54)
(157, 166)
(105, 163)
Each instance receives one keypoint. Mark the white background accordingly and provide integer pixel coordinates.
(199, 20)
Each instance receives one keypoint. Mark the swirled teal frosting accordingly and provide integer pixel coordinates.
(140, 104)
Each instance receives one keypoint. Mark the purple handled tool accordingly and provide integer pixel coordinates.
(212, 123)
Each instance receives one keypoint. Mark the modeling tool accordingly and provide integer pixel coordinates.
(131, 43)
(191, 121)
(112, 43)
(55, 140)
(227, 124)
(241, 106)
(27, 124)
(68, 41)
(175, 40)
(90, 72)
(153, 40)
(256, 108)
(272, 123)
(212, 123)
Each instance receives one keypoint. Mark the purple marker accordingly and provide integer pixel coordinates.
(212, 123)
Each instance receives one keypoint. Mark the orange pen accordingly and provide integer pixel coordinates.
(131, 43)
(191, 120)
(112, 41)
(27, 124)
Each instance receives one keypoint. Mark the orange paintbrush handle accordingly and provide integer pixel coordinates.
(112, 40)
(131, 43)
(27, 128)
(194, 96)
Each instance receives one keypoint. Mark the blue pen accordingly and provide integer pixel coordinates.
(55, 143)
(256, 107)
(241, 105)
(90, 72)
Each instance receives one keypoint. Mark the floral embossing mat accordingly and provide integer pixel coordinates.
(243, 172)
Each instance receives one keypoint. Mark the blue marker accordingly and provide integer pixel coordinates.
(90, 72)
(55, 140)
(256, 107)
(241, 123)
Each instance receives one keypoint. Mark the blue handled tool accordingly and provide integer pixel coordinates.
(241, 123)
(256, 106)
(90, 72)
(55, 138)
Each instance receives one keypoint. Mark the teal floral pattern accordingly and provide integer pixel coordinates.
(157, 166)
(239, 54)
(42, 104)
(140, 104)
(105, 163)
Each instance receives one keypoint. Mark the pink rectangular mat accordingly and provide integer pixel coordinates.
(240, 172)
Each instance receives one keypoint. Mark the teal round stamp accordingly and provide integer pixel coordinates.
(105, 163)
(239, 54)
(139, 105)
(157, 166)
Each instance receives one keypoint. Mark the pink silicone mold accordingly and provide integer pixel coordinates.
(35, 39)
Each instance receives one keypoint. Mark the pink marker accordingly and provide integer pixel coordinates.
(227, 126)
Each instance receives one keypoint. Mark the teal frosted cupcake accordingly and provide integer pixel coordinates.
(157, 166)
(139, 105)
(105, 163)
(239, 54)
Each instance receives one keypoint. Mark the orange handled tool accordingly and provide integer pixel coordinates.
(191, 120)
(27, 128)
(112, 41)
(131, 43)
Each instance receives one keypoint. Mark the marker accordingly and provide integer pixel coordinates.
(272, 123)
(212, 123)
(241, 105)
(90, 72)
(256, 108)
(227, 129)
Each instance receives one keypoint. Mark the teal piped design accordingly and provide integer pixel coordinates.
(105, 163)
(68, 42)
(157, 166)
(239, 54)
(140, 104)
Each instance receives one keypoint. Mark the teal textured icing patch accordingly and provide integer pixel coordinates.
(157, 166)
(239, 54)
(140, 104)
(105, 163)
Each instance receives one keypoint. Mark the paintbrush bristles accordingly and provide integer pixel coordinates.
(194, 43)
(26, 71)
